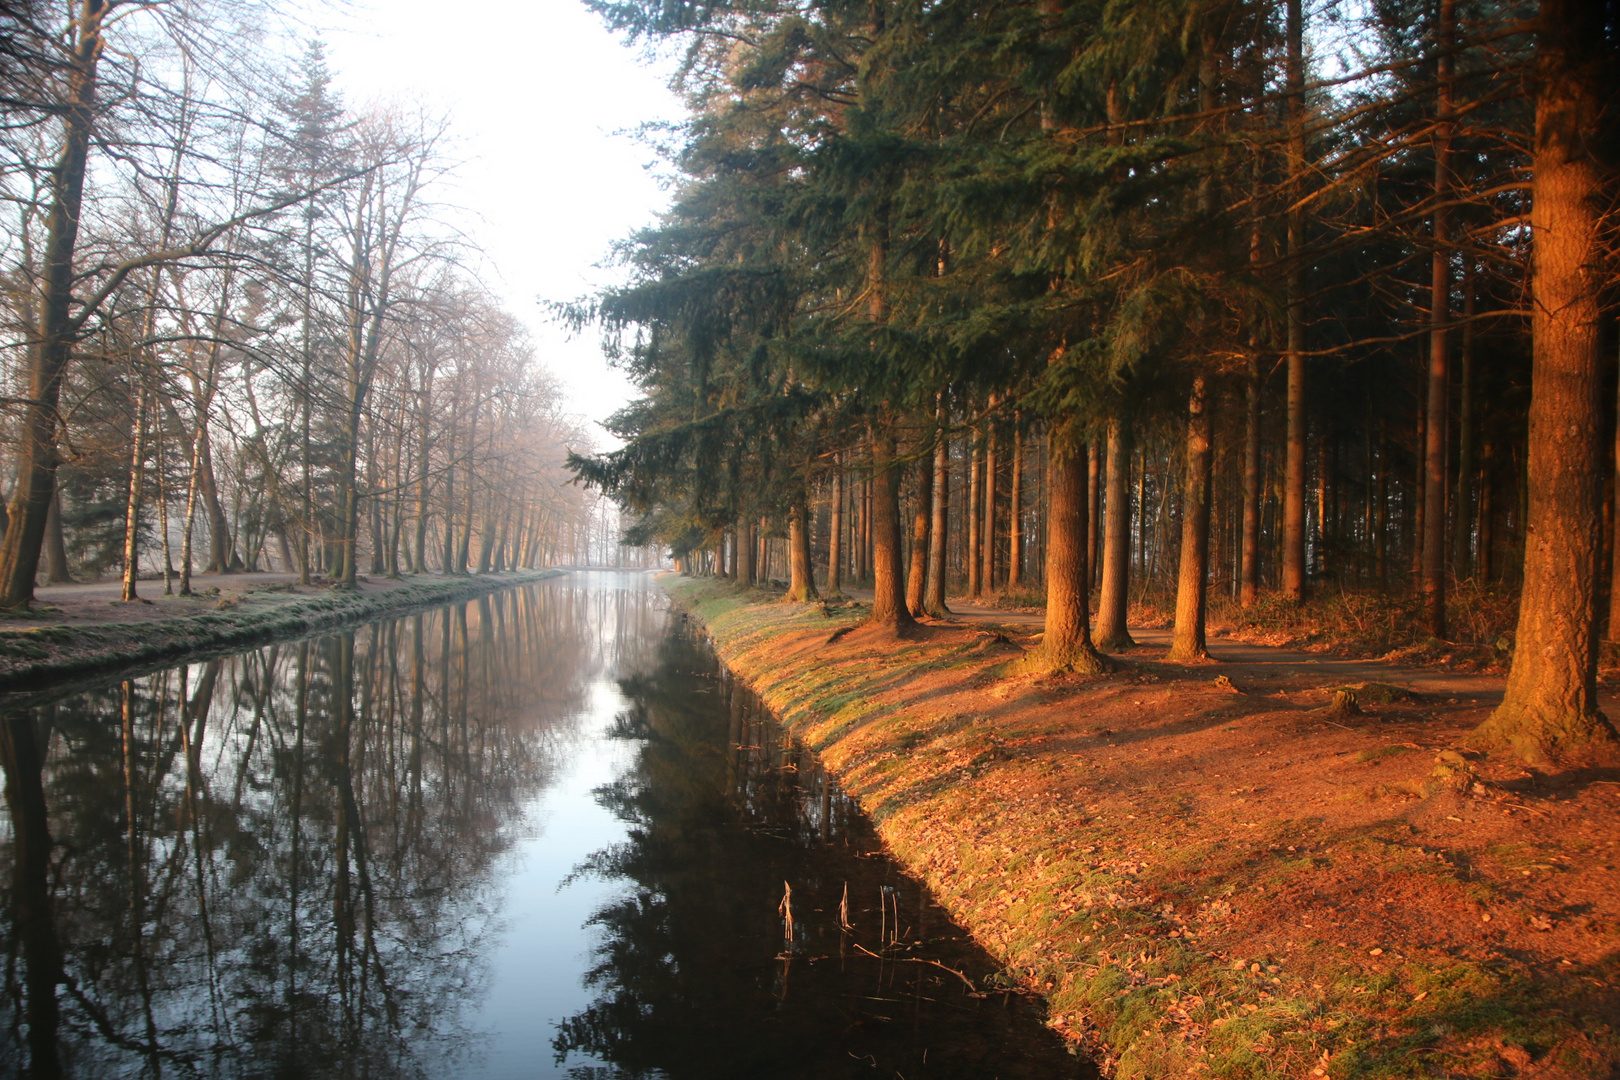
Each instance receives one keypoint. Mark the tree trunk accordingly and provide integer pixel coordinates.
(1436, 450)
(52, 346)
(747, 554)
(132, 511)
(934, 594)
(1116, 573)
(1015, 514)
(221, 550)
(1066, 644)
(975, 536)
(917, 575)
(987, 537)
(888, 582)
(1550, 706)
(1462, 559)
(1249, 574)
(1293, 524)
(56, 560)
(835, 538)
(801, 573)
(1094, 518)
(1187, 641)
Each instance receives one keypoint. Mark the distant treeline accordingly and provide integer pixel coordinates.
(237, 330)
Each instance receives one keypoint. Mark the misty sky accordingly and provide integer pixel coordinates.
(536, 92)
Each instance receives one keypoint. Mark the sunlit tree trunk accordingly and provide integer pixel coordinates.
(132, 513)
(801, 575)
(1187, 641)
(1293, 523)
(934, 593)
(1462, 558)
(888, 578)
(987, 537)
(1437, 445)
(1249, 570)
(1094, 521)
(1550, 705)
(835, 539)
(1066, 644)
(1113, 603)
(1015, 513)
(922, 520)
(975, 551)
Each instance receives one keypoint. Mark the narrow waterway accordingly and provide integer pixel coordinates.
(539, 834)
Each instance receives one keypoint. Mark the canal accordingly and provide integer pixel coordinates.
(538, 834)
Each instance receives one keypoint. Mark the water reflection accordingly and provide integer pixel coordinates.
(279, 863)
(315, 859)
(763, 931)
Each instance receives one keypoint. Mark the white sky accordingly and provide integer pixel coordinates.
(542, 101)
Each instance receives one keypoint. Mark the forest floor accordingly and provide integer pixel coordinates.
(1208, 870)
(86, 630)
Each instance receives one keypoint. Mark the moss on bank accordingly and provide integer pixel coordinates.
(33, 656)
(1177, 928)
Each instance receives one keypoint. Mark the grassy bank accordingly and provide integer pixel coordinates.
(1208, 871)
(39, 648)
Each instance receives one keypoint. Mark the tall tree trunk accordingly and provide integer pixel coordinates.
(132, 512)
(888, 581)
(1112, 605)
(1066, 645)
(1462, 559)
(1094, 516)
(1187, 641)
(1436, 451)
(1550, 706)
(934, 594)
(51, 349)
(1293, 524)
(747, 555)
(975, 536)
(863, 530)
(987, 575)
(221, 549)
(1015, 512)
(835, 538)
(1382, 546)
(56, 560)
(917, 574)
(1249, 574)
(801, 574)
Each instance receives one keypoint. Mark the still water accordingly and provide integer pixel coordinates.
(540, 834)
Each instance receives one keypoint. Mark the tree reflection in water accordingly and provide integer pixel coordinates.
(700, 973)
(280, 863)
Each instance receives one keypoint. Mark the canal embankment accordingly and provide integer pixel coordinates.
(81, 633)
(1217, 870)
